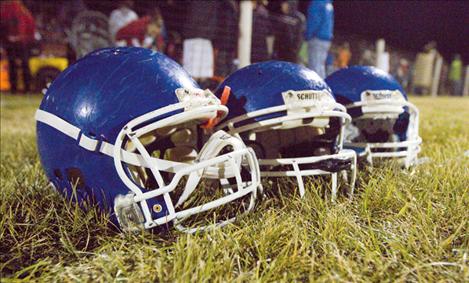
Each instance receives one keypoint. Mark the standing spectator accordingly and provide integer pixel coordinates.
(319, 33)
(423, 69)
(199, 31)
(68, 11)
(367, 58)
(289, 29)
(226, 41)
(330, 61)
(402, 72)
(261, 29)
(173, 11)
(455, 75)
(18, 27)
(121, 16)
(344, 55)
(145, 32)
(443, 85)
(4, 76)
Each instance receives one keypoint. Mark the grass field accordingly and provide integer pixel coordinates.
(401, 226)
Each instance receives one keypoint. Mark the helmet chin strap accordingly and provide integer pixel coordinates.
(211, 149)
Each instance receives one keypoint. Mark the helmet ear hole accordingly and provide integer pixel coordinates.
(58, 174)
(75, 177)
(77, 183)
(307, 121)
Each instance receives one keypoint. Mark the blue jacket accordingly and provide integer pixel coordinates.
(320, 20)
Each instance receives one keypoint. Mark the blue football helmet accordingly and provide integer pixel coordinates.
(122, 127)
(384, 122)
(288, 115)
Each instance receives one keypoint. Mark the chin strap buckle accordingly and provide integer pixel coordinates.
(211, 123)
(128, 213)
(334, 165)
(89, 143)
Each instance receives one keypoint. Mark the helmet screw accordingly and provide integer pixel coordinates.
(157, 208)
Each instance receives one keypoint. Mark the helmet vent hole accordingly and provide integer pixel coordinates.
(75, 177)
(307, 121)
(58, 174)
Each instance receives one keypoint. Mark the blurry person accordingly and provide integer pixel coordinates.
(300, 28)
(226, 40)
(68, 10)
(201, 26)
(4, 75)
(293, 10)
(173, 11)
(319, 33)
(145, 32)
(455, 75)
(430, 47)
(261, 29)
(289, 29)
(423, 69)
(344, 55)
(443, 85)
(330, 63)
(18, 28)
(402, 72)
(121, 16)
(367, 58)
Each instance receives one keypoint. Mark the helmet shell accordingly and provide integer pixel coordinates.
(347, 84)
(99, 94)
(259, 86)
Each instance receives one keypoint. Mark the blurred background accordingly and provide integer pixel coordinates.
(423, 44)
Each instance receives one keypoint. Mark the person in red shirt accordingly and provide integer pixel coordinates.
(144, 32)
(18, 28)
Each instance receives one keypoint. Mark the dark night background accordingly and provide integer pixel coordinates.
(404, 24)
(408, 24)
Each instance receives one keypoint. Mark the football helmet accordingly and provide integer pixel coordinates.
(122, 127)
(288, 115)
(384, 123)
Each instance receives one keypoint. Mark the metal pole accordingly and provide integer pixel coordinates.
(245, 33)
(436, 75)
(382, 57)
(465, 91)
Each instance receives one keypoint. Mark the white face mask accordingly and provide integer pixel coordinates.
(308, 114)
(373, 132)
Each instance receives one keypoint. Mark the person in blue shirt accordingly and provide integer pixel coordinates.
(319, 33)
